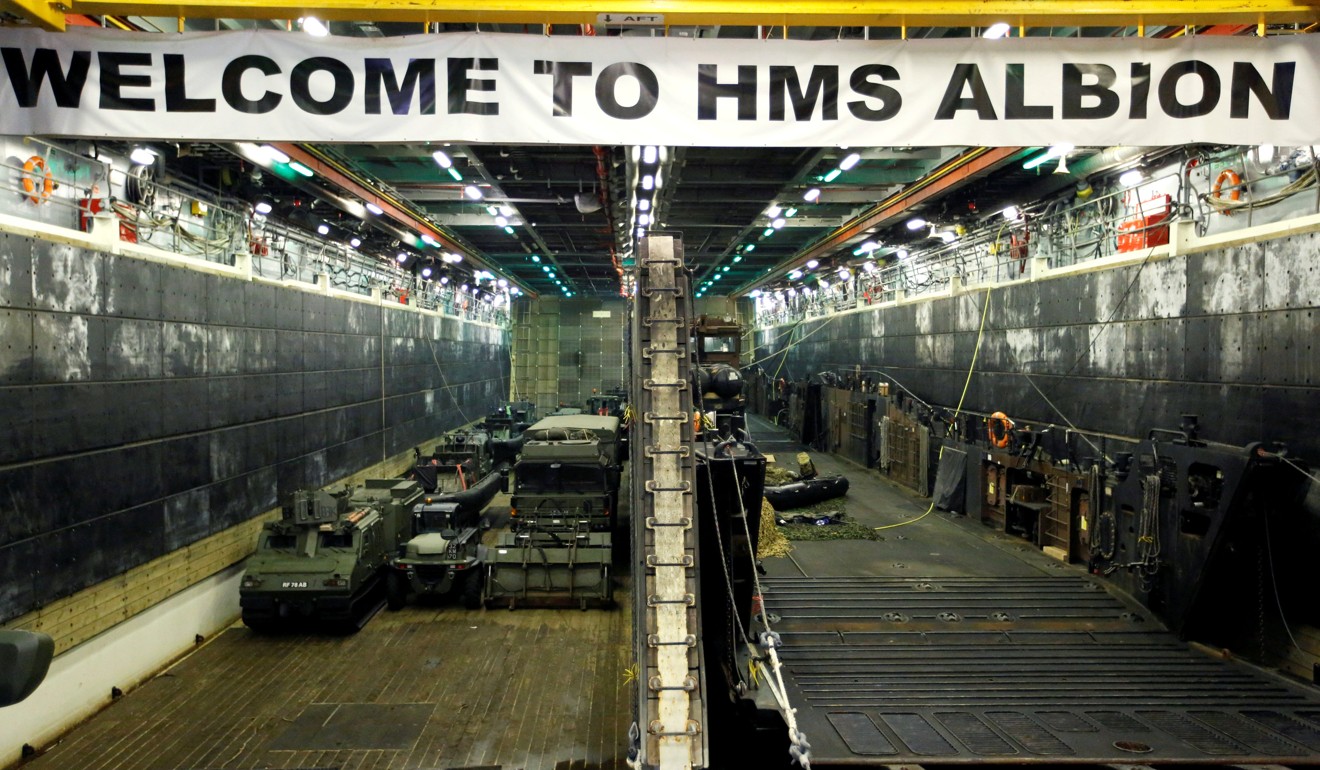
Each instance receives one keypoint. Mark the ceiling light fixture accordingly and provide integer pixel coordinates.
(1131, 177)
(648, 182)
(1055, 151)
(373, 208)
(426, 272)
(643, 204)
(779, 223)
(811, 264)
(506, 210)
(453, 172)
(794, 275)
(643, 219)
(314, 26)
(996, 31)
(274, 154)
(812, 194)
(916, 223)
(429, 241)
(402, 257)
(442, 159)
(850, 161)
(790, 212)
(767, 232)
(355, 242)
(830, 177)
(501, 221)
(473, 192)
(301, 169)
(869, 267)
(323, 229)
(142, 156)
(650, 153)
(773, 211)
(262, 207)
(1012, 213)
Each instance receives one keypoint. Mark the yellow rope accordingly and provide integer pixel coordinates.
(980, 333)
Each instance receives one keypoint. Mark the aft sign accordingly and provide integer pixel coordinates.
(529, 89)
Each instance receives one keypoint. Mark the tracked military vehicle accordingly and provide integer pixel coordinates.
(564, 514)
(323, 561)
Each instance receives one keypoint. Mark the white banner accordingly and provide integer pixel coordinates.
(531, 89)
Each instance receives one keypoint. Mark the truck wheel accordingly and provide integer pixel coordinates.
(472, 589)
(396, 591)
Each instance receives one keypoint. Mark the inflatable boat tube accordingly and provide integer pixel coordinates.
(809, 492)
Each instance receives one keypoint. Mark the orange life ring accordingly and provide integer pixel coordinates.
(999, 438)
(30, 177)
(1234, 183)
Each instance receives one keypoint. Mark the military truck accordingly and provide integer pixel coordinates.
(444, 556)
(324, 559)
(564, 513)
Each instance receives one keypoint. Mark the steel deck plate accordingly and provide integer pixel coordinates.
(1019, 670)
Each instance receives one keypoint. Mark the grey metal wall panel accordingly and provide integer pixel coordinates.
(15, 346)
(131, 288)
(183, 296)
(67, 347)
(183, 350)
(259, 305)
(15, 271)
(226, 301)
(66, 279)
(260, 351)
(132, 349)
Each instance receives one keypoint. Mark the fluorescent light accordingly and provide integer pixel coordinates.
(767, 232)
(452, 258)
(473, 192)
(274, 154)
(1012, 213)
(142, 156)
(506, 210)
(724, 269)
(442, 159)
(773, 211)
(643, 204)
(262, 207)
(737, 259)
(750, 247)
(402, 257)
(812, 194)
(850, 161)
(545, 268)
(754, 293)
(373, 208)
(648, 182)
(834, 174)
(444, 279)
(501, 221)
(996, 31)
(778, 223)
(916, 223)
(508, 230)
(811, 264)
(301, 169)
(641, 232)
(824, 284)
(323, 229)
(1131, 178)
(502, 283)
(869, 267)
(790, 212)
(844, 274)
(426, 272)
(536, 258)
(794, 275)
(314, 26)
(428, 240)
(453, 172)
(355, 242)
(719, 276)
(643, 219)
(463, 288)
(649, 153)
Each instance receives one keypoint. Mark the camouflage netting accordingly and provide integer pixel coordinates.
(775, 476)
(773, 542)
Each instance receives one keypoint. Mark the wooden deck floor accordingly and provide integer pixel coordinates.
(426, 687)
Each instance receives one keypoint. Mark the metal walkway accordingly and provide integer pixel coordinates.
(1019, 670)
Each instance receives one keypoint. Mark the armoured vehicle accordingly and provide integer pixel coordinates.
(444, 556)
(324, 559)
(564, 512)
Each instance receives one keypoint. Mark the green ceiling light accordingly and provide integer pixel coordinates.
(724, 269)
(769, 231)
(830, 177)
(301, 169)
(536, 258)
(750, 247)
(850, 161)
(508, 229)
(454, 173)
(737, 258)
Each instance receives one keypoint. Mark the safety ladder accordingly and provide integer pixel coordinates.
(671, 716)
